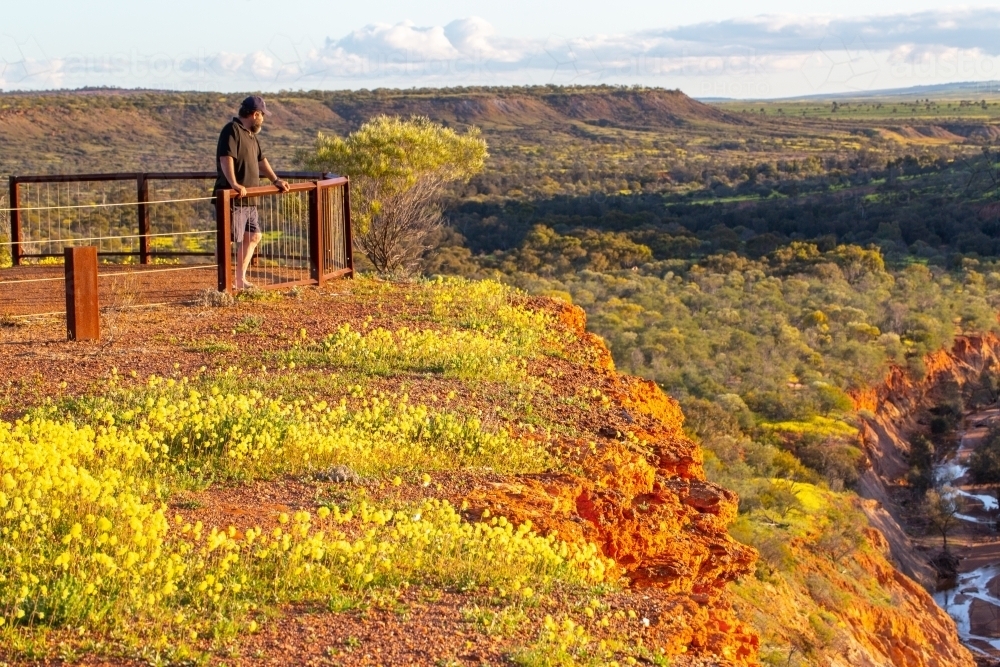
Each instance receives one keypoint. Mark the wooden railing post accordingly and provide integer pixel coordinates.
(316, 254)
(223, 253)
(142, 196)
(15, 222)
(348, 236)
(83, 320)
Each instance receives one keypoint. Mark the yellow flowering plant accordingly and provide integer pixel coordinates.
(88, 543)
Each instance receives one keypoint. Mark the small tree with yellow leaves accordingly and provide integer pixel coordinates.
(398, 169)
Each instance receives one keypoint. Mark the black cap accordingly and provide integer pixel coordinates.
(251, 104)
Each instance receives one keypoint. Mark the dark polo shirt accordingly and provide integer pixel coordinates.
(241, 144)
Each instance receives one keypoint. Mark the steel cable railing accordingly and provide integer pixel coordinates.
(169, 218)
(304, 233)
(113, 212)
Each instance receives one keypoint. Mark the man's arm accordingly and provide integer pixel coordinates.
(265, 169)
(229, 171)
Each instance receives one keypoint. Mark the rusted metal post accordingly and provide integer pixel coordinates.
(348, 236)
(316, 254)
(83, 320)
(15, 222)
(223, 253)
(142, 196)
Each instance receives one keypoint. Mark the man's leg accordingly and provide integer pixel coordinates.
(244, 253)
(247, 240)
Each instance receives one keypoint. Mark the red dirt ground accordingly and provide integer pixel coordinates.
(29, 290)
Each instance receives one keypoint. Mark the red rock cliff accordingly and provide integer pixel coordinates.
(891, 408)
(641, 495)
(889, 412)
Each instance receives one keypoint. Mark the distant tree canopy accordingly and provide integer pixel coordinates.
(768, 348)
(398, 169)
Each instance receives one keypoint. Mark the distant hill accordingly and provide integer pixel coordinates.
(959, 90)
(118, 130)
(641, 108)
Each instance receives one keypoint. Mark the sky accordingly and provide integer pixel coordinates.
(765, 49)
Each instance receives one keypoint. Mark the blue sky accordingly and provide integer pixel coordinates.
(770, 48)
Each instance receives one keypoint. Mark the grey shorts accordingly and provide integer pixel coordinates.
(244, 220)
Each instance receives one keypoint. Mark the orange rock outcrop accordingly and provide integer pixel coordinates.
(641, 495)
(889, 413)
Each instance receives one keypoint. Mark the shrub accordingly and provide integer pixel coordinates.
(398, 169)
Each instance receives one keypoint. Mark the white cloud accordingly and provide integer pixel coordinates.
(476, 37)
(756, 56)
(403, 39)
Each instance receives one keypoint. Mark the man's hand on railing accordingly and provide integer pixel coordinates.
(241, 190)
(282, 184)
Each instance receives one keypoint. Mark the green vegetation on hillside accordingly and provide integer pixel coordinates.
(700, 178)
(789, 332)
(891, 108)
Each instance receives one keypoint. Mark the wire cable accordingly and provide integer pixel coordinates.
(143, 272)
(105, 205)
(31, 280)
(101, 238)
(115, 273)
(132, 307)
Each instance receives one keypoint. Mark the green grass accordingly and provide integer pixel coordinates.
(487, 335)
(453, 354)
(816, 426)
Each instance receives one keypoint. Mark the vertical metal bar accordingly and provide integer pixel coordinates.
(223, 253)
(59, 225)
(142, 196)
(96, 216)
(35, 223)
(328, 235)
(329, 231)
(337, 227)
(83, 321)
(348, 234)
(316, 235)
(15, 222)
(37, 226)
(48, 210)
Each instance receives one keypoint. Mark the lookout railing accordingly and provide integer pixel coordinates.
(306, 232)
(173, 218)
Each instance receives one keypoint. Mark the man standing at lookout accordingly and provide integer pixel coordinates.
(240, 164)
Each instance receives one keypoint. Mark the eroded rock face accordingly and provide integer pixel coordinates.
(911, 629)
(890, 411)
(642, 496)
(893, 405)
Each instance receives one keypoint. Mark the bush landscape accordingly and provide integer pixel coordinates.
(764, 265)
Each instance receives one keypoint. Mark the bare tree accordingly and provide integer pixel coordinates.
(398, 236)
